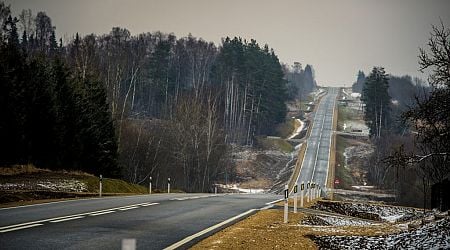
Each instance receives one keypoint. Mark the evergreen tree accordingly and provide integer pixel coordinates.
(357, 87)
(377, 102)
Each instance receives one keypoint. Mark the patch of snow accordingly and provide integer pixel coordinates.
(434, 235)
(242, 190)
(340, 221)
(392, 218)
(298, 130)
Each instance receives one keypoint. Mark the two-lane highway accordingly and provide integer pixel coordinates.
(155, 221)
(316, 159)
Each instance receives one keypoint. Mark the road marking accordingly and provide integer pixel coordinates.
(128, 208)
(151, 204)
(19, 228)
(67, 219)
(93, 198)
(24, 225)
(272, 202)
(107, 212)
(266, 207)
(331, 136)
(192, 197)
(207, 230)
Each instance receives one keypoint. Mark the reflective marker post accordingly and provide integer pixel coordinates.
(313, 191)
(168, 185)
(295, 198)
(150, 186)
(302, 189)
(308, 191)
(286, 196)
(100, 188)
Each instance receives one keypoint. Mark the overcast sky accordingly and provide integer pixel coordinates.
(337, 37)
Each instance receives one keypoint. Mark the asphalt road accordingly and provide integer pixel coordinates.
(315, 162)
(155, 221)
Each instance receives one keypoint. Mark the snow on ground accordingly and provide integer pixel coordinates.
(298, 130)
(330, 220)
(434, 235)
(371, 211)
(64, 185)
(237, 189)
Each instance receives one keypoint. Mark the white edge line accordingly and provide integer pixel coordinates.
(272, 202)
(207, 230)
(66, 219)
(19, 228)
(329, 149)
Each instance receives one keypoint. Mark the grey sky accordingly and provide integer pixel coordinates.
(337, 37)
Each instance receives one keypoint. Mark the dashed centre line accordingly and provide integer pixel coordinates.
(31, 224)
(192, 198)
(67, 219)
(19, 228)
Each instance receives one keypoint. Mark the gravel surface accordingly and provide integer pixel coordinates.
(434, 235)
(371, 211)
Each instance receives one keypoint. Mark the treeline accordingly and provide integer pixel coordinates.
(137, 106)
(409, 125)
(52, 116)
(300, 82)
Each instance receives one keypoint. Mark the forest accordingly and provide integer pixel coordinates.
(136, 106)
(409, 125)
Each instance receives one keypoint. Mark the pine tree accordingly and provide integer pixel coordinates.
(377, 102)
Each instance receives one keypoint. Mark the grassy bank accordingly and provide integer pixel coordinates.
(26, 184)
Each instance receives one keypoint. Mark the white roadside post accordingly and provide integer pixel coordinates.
(100, 187)
(286, 196)
(308, 191)
(150, 186)
(168, 185)
(302, 190)
(313, 190)
(295, 198)
(215, 189)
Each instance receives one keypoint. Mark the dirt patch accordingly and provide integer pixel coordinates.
(263, 230)
(258, 169)
(352, 155)
(266, 230)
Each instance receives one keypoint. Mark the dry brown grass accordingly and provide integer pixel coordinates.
(298, 166)
(263, 230)
(266, 230)
(21, 169)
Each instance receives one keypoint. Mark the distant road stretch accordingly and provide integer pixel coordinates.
(315, 162)
(155, 221)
